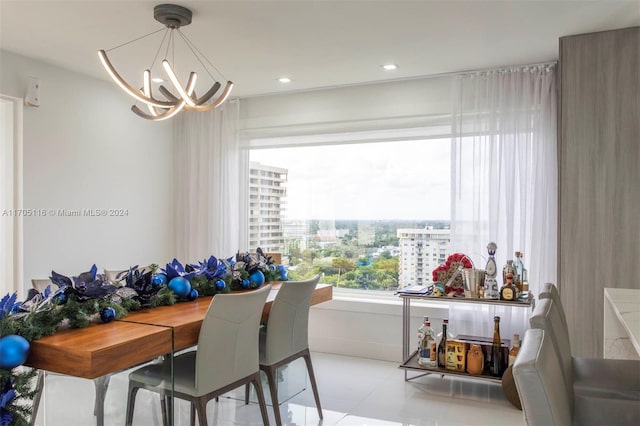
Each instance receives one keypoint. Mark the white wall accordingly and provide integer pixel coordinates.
(398, 104)
(85, 149)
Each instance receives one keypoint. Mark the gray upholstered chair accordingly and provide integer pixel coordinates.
(548, 401)
(226, 358)
(286, 338)
(41, 284)
(112, 274)
(598, 377)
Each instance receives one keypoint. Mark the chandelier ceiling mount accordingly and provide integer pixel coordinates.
(172, 15)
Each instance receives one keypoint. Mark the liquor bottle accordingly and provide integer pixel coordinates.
(442, 344)
(509, 291)
(524, 295)
(491, 271)
(421, 330)
(513, 352)
(496, 364)
(519, 265)
(427, 356)
(508, 269)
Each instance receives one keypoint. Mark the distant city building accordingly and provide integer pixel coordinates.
(267, 194)
(392, 250)
(296, 236)
(421, 251)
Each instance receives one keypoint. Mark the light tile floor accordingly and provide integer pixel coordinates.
(353, 392)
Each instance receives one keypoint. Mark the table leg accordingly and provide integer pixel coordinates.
(101, 384)
(37, 397)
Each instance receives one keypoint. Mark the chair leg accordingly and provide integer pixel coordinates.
(246, 394)
(167, 412)
(312, 379)
(273, 389)
(131, 402)
(201, 408)
(192, 414)
(263, 405)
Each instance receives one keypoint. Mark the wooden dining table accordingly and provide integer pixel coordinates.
(143, 335)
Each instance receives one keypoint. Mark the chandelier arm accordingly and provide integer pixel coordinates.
(176, 83)
(168, 113)
(223, 97)
(104, 59)
(208, 95)
(167, 94)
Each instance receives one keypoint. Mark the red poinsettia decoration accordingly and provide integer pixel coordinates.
(451, 267)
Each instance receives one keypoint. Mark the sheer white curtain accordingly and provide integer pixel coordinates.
(211, 184)
(504, 181)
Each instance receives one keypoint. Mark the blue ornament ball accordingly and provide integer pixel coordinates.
(61, 299)
(245, 283)
(159, 279)
(220, 285)
(14, 351)
(193, 294)
(180, 286)
(108, 314)
(256, 279)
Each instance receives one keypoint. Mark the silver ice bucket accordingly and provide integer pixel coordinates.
(472, 279)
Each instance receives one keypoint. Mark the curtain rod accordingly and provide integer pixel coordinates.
(394, 80)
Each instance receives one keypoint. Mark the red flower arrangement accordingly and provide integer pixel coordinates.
(452, 268)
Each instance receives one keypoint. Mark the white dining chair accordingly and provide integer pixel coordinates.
(286, 337)
(41, 284)
(226, 358)
(599, 377)
(111, 274)
(547, 400)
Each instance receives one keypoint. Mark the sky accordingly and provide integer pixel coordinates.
(386, 180)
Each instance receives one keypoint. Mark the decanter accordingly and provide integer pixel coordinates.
(491, 271)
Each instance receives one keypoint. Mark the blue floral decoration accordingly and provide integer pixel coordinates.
(86, 286)
(7, 394)
(175, 269)
(7, 304)
(142, 283)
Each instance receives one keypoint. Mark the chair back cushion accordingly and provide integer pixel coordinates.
(288, 324)
(547, 317)
(228, 340)
(111, 275)
(550, 291)
(540, 382)
(41, 284)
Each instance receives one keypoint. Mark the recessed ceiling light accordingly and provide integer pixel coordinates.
(284, 80)
(157, 80)
(390, 67)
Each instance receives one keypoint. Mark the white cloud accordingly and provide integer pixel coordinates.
(391, 180)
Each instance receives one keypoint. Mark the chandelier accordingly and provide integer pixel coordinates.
(183, 97)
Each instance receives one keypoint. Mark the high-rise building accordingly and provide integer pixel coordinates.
(421, 251)
(267, 194)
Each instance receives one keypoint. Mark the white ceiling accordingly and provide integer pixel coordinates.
(316, 43)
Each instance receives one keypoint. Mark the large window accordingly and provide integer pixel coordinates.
(368, 215)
